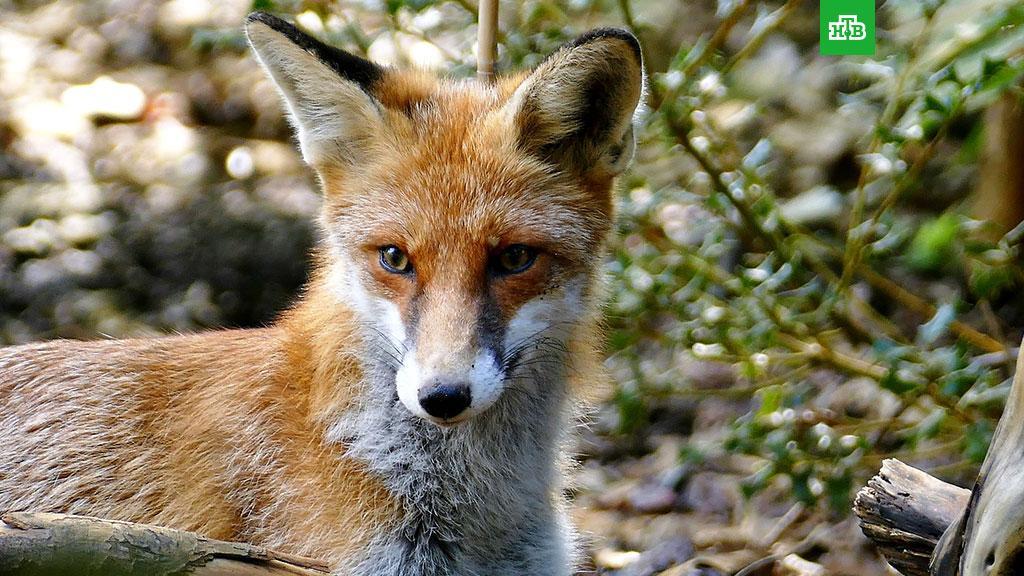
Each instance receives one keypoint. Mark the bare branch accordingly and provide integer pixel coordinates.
(63, 544)
(487, 40)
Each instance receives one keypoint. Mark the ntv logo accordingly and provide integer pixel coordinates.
(847, 27)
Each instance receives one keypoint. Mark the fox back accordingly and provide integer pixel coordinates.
(409, 414)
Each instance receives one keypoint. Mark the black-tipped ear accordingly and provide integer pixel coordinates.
(577, 108)
(327, 91)
(347, 66)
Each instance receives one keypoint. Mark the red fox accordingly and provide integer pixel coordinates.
(409, 414)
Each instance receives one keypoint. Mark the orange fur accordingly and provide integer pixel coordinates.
(220, 433)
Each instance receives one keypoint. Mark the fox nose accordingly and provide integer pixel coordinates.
(445, 400)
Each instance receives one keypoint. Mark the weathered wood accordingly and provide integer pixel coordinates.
(988, 537)
(904, 511)
(51, 544)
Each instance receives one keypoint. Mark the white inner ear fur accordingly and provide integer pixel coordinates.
(335, 120)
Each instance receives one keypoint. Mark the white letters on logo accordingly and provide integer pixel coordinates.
(847, 28)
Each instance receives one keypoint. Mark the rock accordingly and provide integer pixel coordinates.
(711, 493)
(661, 557)
(793, 565)
(692, 571)
(651, 499)
(615, 559)
(640, 497)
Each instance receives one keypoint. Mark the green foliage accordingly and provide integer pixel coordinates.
(933, 245)
(728, 260)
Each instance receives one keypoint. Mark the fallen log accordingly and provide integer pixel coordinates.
(904, 512)
(47, 544)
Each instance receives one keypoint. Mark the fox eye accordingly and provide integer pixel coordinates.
(515, 259)
(394, 260)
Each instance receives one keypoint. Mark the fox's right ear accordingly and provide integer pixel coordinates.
(327, 91)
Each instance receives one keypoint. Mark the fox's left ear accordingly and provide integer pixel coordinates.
(576, 109)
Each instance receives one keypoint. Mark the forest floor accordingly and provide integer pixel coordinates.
(648, 510)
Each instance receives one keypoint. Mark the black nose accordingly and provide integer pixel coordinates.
(445, 400)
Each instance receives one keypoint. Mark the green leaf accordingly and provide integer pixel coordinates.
(801, 488)
(393, 6)
(988, 281)
(895, 383)
(931, 424)
(976, 440)
(957, 384)
(632, 410)
(757, 481)
(932, 330)
(933, 246)
(771, 399)
(690, 454)
(838, 489)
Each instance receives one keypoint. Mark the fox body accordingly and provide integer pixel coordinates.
(408, 416)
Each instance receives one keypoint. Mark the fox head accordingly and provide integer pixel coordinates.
(465, 223)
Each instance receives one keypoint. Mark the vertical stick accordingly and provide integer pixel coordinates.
(487, 40)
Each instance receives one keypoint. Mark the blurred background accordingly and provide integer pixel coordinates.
(818, 264)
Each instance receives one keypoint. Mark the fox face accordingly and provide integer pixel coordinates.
(465, 223)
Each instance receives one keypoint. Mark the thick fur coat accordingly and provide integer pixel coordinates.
(309, 436)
